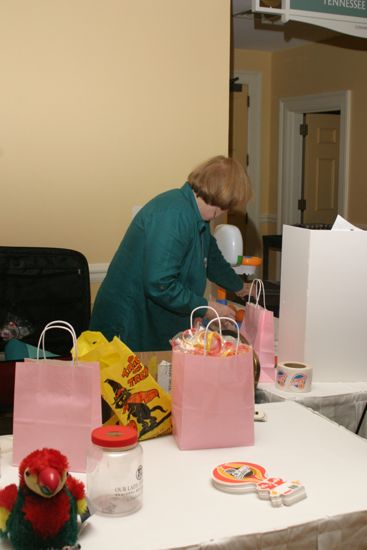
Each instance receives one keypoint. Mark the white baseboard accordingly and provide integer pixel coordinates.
(97, 272)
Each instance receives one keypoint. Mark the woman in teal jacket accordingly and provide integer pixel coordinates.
(159, 272)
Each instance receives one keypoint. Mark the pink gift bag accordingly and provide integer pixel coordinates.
(212, 400)
(258, 329)
(56, 404)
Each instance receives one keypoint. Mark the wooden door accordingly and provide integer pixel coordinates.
(238, 121)
(321, 168)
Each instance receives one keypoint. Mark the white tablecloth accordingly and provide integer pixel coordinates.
(182, 509)
(339, 401)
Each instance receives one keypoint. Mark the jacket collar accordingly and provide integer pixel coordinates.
(189, 194)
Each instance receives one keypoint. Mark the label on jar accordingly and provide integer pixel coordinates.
(123, 498)
(132, 490)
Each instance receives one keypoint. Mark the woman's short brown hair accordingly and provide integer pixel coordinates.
(222, 182)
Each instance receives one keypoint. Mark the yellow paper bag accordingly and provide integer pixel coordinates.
(133, 395)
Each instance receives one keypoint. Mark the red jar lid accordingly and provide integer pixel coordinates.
(115, 436)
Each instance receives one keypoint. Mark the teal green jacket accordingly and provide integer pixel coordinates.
(159, 273)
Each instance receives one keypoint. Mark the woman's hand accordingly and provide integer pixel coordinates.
(244, 291)
(222, 310)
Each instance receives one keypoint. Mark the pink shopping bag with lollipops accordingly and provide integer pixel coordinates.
(212, 389)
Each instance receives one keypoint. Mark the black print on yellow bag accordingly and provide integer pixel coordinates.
(131, 392)
(137, 404)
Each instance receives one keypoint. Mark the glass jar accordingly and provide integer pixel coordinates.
(115, 471)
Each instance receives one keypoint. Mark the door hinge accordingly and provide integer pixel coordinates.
(302, 205)
(303, 129)
(247, 160)
(248, 101)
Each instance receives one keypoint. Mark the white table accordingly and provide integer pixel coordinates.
(339, 401)
(183, 510)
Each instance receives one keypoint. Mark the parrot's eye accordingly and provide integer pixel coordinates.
(27, 473)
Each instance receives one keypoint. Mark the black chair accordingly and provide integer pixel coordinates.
(38, 285)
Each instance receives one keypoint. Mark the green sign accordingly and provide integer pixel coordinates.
(351, 8)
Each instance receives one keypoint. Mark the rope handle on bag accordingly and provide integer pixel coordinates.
(259, 289)
(64, 325)
(220, 330)
(205, 307)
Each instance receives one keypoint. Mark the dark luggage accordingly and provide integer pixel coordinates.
(39, 285)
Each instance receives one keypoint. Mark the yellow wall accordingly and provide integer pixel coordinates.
(104, 104)
(316, 68)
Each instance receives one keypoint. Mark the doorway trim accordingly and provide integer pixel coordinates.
(253, 80)
(291, 112)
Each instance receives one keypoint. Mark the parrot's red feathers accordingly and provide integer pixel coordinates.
(8, 496)
(42, 458)
(47, 516)
(76, 487)
(42, 512)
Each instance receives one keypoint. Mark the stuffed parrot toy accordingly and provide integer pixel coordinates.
(43, 511)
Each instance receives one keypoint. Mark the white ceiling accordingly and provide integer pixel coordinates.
(255, 32)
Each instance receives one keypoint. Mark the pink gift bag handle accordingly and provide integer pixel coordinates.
(220, 330)
(64, 325)
(204, 307)
(260, 290)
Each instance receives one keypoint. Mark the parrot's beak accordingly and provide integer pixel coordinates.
(48, 481)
